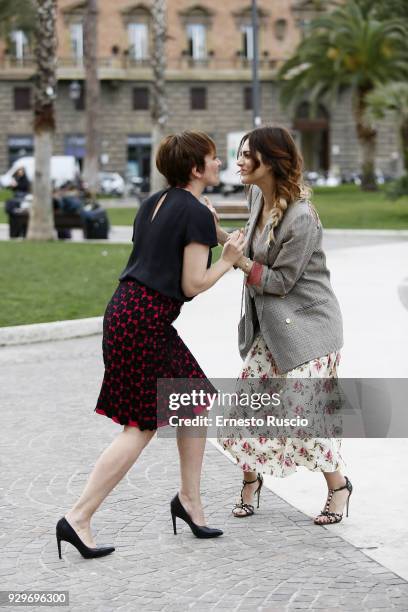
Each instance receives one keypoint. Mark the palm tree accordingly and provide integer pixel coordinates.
(41, 224)
(384, 8)
(159, 102)
(91, 163)
(391, 98)
(348, 49)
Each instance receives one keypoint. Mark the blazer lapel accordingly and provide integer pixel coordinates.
(255, 206)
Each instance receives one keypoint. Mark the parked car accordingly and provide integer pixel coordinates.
(355, 178)
(322, 179)
(111, 183)
(64, 169)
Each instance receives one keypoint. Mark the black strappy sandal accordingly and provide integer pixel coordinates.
(334, 517)
(248, 508)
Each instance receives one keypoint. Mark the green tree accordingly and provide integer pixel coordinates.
(348, 48)
(16, 14)
(385, 9)
(391, 98)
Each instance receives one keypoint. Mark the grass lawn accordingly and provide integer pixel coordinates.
(55, 281)
(347, 207)
(344, 207)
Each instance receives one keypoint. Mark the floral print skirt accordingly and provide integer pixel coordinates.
(280, 456)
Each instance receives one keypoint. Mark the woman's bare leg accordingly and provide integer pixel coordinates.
(110, 468)
(191, 451)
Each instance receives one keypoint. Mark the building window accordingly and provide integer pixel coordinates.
(198, 98)
(77, 41)
(247, 42)
(248, 103)
(197, 40)
(139, 147)
(79, 102)
(22, 98)
(19, 146)
(20, 44)
(140, 98)
(138, 34)
(280, 28)
(75, 144)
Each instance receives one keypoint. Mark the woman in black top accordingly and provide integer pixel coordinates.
(20, 184)
(170, 264)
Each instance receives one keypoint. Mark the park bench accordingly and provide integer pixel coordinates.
(232, 210)
(94, 223)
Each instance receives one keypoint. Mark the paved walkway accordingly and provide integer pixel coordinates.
(277, 560)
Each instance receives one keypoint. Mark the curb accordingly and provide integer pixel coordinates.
(49, 332)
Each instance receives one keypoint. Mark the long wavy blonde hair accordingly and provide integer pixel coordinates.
(279, 151)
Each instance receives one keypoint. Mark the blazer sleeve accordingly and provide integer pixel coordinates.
(249, 195)
(294, 255)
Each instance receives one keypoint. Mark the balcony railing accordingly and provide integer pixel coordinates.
(214, 63)
(10, 62)
(126, 64)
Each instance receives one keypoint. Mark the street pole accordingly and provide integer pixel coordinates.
(255, 68)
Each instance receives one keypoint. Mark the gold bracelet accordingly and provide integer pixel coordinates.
(247, 265)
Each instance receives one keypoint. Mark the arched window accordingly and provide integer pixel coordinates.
(137, 22)
(74, 16)
(243, 20)
(313, 127)
(280, 27)
(197, 21)
(19, 42)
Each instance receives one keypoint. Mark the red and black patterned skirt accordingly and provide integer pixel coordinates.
(140, 345)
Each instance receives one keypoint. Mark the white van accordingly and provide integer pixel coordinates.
(230, 179)
(64, 168)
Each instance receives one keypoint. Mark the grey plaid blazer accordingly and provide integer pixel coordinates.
(298, 313)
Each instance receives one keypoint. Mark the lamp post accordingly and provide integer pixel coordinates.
(255, 68)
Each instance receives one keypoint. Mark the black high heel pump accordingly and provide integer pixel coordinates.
(178, 510)
(65, 532)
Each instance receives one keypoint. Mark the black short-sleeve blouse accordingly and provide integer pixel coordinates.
(158, 244)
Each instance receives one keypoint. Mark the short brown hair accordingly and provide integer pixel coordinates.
(178, 154)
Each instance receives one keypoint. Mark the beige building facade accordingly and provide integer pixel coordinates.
(209, 52)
